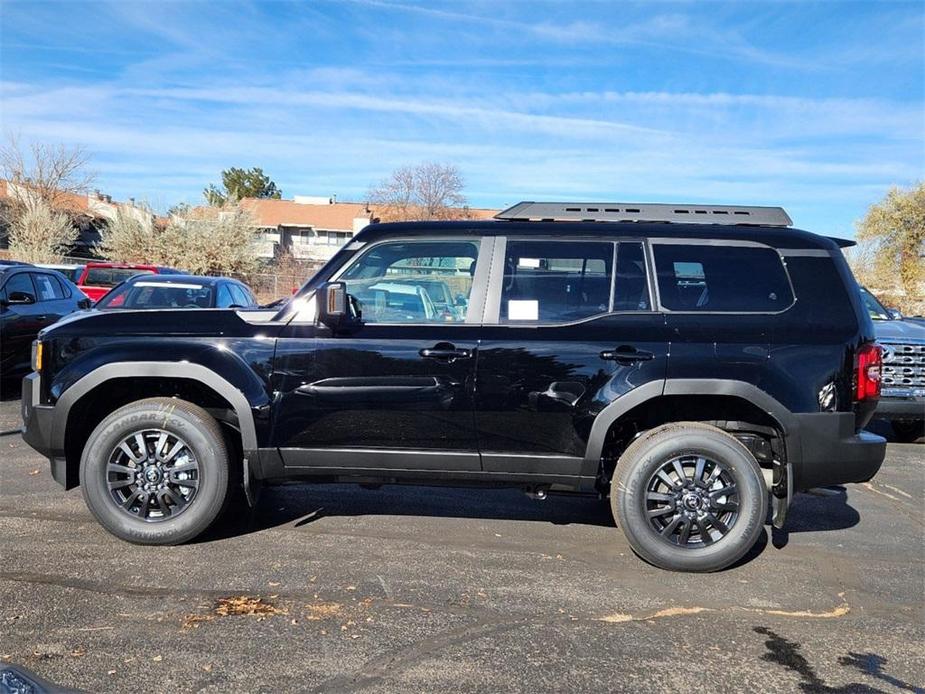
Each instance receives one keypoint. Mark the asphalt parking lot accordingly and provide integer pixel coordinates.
(337, 588)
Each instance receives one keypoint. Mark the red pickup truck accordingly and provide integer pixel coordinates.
(96, 279)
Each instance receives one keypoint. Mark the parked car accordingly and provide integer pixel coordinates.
(657, 354)
(98, 278)
(69, 270)
(902, 398)
(31, 298)
(178, 291)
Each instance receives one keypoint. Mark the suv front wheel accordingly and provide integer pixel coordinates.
(155, 472)
(689, 497)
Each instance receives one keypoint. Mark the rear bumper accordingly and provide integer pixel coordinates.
(901, 408)
(832, 452)
(38, 429)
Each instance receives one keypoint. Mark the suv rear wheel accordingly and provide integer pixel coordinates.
(155, 472)
(689, 497)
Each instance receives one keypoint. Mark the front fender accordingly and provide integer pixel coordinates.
(156, 369)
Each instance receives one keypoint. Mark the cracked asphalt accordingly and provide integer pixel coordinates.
(412, 589)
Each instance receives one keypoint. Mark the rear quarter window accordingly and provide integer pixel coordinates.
(707, 278)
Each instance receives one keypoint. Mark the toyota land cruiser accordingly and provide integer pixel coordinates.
(697, 364)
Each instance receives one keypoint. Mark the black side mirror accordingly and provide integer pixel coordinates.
(332, 304)
(20, 298)
(84, 303)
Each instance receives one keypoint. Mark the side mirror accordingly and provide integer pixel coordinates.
(895, 313)
(84, 303)
(20, 298)
(332, 304)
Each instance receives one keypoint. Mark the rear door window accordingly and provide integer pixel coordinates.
(708, 278)
(48, 287)
(224, 299)
(556, 281)
(241, 297)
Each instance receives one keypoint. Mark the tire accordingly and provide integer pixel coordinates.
(172, 494)
(908, 431)
(638, 490)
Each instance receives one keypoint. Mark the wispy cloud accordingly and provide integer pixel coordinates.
(542, 99)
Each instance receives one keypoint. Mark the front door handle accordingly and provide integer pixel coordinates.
(445, 352)
(625, 354)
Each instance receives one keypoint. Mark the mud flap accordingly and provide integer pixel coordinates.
(781, 493)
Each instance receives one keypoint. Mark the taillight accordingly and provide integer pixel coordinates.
(870, 367)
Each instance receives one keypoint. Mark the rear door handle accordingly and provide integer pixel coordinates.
(626, 354)
(445, 352)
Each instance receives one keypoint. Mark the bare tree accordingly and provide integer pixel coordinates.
(43, 185)
(53, 173)
(427, 191)
(40, 234)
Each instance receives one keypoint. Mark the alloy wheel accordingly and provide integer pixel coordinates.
(692, 501)
(153, 475)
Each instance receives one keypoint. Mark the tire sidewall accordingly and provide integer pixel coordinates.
(630, 500)
(208, 448)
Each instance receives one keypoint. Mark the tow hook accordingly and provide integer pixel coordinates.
(538, 493)
(781, 492)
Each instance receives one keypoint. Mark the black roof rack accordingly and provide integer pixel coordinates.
(645, 212)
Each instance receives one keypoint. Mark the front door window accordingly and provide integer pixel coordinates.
(414, 281)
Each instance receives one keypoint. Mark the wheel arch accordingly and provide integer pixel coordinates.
(709, 393)
(81, 395)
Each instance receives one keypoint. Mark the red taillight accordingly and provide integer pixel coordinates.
(870, 366)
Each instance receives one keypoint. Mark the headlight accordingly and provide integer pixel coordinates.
(37, 355)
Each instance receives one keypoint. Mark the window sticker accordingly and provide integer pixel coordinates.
(529, 262)
(518, 309)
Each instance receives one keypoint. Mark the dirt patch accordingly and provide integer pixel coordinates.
(323, 610)
(235, 606)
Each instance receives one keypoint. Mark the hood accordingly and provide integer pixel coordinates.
(899, 331)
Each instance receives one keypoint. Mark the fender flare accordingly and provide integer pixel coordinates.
(691, 386)
(156, 369)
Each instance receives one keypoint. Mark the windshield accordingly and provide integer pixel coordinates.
(111, 276)
(876, 310)
(142, 295)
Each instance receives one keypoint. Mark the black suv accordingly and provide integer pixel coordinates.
(691, 362)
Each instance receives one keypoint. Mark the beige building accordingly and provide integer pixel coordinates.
(314, 228)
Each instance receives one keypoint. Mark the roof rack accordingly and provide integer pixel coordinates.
(644, 212)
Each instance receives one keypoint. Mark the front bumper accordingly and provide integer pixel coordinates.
(905, 408)
(834, 453)
(38, 429)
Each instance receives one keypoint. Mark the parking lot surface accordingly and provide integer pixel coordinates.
(337, 588)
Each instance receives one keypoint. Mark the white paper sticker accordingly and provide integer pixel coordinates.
(528, 262)
(523, 309)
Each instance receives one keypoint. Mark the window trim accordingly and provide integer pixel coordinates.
(492, 314)
(477, 293)
(675, 241)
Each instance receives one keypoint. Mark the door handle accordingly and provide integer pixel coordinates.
(626, 354)
(445, 352)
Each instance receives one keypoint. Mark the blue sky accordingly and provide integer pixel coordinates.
(815, 106)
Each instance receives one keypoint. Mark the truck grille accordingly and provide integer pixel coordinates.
(903, 365)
